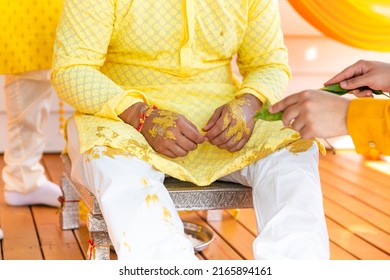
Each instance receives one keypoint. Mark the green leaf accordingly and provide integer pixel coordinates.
(374, 91)
(265, 115)
(335, 88)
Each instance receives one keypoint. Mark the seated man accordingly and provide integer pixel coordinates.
(154, 94)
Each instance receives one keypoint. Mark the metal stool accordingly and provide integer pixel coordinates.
(185, 195)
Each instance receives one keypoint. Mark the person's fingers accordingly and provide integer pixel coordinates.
(224, 142)
(177, 150)
(355, 83)
(354, 70)
(297, 124)
(169, 154)
(307, 132)
(362, 93)
(186, 144)
(221, 139)
(190, 131)
(238, 146)
(284, 103)
(219, 127)
(213, 120)
(289, 116)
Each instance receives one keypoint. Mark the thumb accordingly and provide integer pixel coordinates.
(353, 83)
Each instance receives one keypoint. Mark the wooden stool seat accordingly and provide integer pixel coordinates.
(185, 195)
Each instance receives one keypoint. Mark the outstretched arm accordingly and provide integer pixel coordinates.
(314, 113)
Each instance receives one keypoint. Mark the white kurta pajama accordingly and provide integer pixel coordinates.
(141, 51)
(26, 43)
(27, 97)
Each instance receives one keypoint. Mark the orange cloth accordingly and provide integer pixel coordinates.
(358, 23)
(368, 122)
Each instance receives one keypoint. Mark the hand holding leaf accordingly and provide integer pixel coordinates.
(265, 115)
(335, 88)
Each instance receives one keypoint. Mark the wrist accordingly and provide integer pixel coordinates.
(144, 113)
(253, 101)
(131, 114)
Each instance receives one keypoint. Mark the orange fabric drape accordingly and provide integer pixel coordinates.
(358, 23)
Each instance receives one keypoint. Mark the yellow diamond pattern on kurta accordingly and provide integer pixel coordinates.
(27, 30)
(175, 55)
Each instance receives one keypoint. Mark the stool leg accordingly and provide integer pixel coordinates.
(69, 217)
(213, 215)
(98, 248)
(99, 244)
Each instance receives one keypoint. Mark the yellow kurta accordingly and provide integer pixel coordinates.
(368, 122)
(176, 55)
(27, 31)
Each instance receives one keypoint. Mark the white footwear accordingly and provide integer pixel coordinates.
(47, 194)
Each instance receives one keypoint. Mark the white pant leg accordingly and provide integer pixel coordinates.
(140, 215)
(288, 205)
(27, 103)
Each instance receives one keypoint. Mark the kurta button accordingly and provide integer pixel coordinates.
(372, 144)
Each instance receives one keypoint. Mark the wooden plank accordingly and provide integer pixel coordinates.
(54, 167)
(56, 243)
(357, 173)
(82, 236)
(234, 233)
(381, 166)
(356, 191)
(355, 245)
(219, 249)
(20, 241)
(358, 227)
(338, 253)
(361, 210)
(353, 160)
(247, 218)
(354, 173)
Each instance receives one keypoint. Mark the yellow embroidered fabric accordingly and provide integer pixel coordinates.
(27, 31)
(176, 55)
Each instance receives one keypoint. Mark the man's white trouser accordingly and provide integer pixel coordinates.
(27, 106)
(143, 223)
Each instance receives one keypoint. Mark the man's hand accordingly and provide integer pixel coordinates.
(364, 73)
(168, 133)
(231, 125)
(171, 134)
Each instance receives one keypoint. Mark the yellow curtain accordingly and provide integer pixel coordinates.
(359, 23)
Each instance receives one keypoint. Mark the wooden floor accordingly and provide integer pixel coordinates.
(356, 201)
